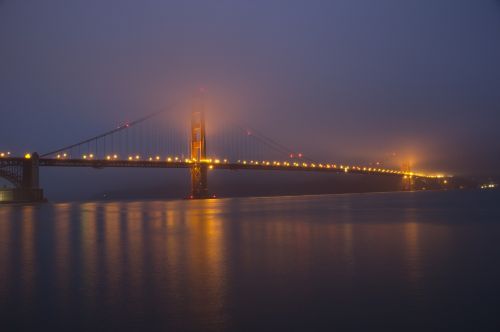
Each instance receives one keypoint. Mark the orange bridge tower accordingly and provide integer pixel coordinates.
(199, 185)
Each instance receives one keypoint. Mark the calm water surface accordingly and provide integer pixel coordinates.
(425, 261)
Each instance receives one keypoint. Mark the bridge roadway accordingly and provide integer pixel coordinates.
(267, 166)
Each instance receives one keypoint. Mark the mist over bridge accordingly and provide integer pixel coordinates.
(144, 143)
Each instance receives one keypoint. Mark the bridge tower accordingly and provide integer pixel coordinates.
(199, 170)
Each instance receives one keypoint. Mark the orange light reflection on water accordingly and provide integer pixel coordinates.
(192, 255)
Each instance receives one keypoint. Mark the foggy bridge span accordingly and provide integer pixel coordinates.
(101, 152)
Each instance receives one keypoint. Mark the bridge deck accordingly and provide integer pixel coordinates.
(324, 168)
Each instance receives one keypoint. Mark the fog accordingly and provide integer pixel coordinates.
(355, 81)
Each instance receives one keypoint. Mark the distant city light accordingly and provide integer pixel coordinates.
(489, 186)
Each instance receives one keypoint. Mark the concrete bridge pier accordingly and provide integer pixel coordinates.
(199, 186)
(408, 183)
(30, 189)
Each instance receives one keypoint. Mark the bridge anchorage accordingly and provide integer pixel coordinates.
(23, 174)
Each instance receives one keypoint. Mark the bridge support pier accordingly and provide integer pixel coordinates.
(31, 172)
(199, 183)
(408, 181)
(30, 190)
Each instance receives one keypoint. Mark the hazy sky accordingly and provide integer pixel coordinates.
(340, 79)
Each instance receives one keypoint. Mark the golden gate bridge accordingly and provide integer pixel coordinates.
(146, 143)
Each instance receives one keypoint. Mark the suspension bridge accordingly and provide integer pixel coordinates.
(146, 143)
